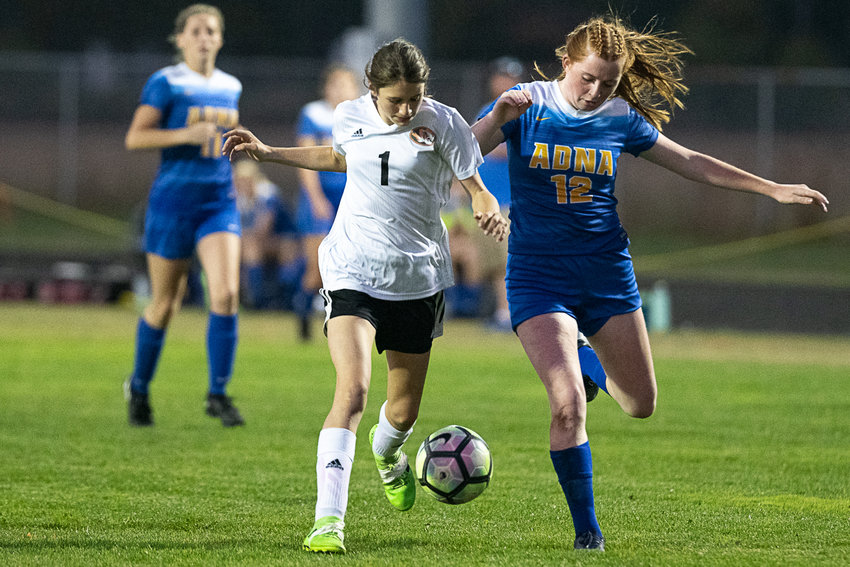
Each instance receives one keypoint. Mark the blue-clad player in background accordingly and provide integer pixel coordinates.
(568, 261)
(184, 110)
(321, 191)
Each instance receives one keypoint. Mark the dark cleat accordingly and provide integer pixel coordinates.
(590, 540)
(139, 412)
(591, 389)
(221, 406)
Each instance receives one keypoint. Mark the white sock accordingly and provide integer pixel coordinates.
(334, 458)
(388, 440)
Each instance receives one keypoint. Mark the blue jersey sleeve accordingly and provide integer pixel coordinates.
(157, 92)
(306, 127)
(507, 128)
(642, 135)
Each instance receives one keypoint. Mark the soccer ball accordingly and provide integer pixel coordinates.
(454, 464)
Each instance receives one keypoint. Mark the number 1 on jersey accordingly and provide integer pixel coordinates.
(385, 167)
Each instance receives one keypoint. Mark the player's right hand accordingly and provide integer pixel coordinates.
(511, 105)
(200, 133)
(242, 140)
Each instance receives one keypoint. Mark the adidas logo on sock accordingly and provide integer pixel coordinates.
(335, 464)
(358, 133)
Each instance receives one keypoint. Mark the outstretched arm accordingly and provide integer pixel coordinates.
(712, 171)
(319, 158)
(510, 106)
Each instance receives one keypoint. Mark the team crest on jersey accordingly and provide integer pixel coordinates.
(423, 136)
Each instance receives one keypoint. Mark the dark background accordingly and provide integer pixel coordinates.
(751, 32)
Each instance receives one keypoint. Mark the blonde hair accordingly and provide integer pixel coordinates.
(651, 80)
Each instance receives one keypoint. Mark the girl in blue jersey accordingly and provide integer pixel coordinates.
(568, 262)
(321, 191)
(184, 110)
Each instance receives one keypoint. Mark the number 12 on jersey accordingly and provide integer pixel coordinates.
(576, 190)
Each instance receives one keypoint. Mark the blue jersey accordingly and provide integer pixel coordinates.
(193, 178)
(563, 163)
(316, 121)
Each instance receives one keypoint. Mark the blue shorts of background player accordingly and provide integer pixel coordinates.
(307, 224)
(175, 236)
(591, 288)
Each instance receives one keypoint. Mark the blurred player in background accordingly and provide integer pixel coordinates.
(568, 262)
(269, 240)
(320, 190)
(480, 261)
(505, 72)
(184, 110)
(384, 264)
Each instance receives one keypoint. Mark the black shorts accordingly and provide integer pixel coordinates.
(408, 326)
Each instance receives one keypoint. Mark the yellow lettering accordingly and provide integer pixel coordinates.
(562, 157)
(585, 160)
(606, 163)
(579, 189)
(194, 116)
(540, 157)
(560, 182)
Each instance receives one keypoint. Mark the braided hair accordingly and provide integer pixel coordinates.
(651, 80)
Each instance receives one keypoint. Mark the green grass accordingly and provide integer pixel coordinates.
(746, 461)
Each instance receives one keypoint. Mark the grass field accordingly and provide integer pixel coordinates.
(746, 461)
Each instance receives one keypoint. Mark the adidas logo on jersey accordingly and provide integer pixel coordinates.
(358, 133)
(335, 464)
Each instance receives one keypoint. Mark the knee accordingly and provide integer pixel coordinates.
(641, 406)
(160, 311)
(569, 416)
(224, 301)
(401, 416)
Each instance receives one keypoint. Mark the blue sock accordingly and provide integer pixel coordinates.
(255, 280)
(590, 366)
(148, 347)
(302, 303)
(221, 350)
(574, 467)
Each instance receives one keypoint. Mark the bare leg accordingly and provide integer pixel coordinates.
(622, 346)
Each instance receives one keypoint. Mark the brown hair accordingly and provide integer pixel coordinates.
(188, 12)
(396, 61)
(652, 70)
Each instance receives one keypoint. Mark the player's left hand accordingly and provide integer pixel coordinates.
(493, 224)
(800, 194)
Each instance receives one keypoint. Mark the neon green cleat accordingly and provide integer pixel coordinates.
(398, 479)
(326, 536)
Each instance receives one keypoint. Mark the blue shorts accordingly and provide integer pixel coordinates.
(174, 236)
(591, 289)
(306, 223)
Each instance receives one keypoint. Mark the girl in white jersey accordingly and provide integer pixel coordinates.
(384, 264)
(568, 262)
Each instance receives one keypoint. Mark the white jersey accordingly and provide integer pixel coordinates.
(388, 239)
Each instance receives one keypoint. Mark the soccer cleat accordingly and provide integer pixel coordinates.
(221, 406)
(326, 536)
(591, 389)
(590, 540)
(398, 479)
(139, 412)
